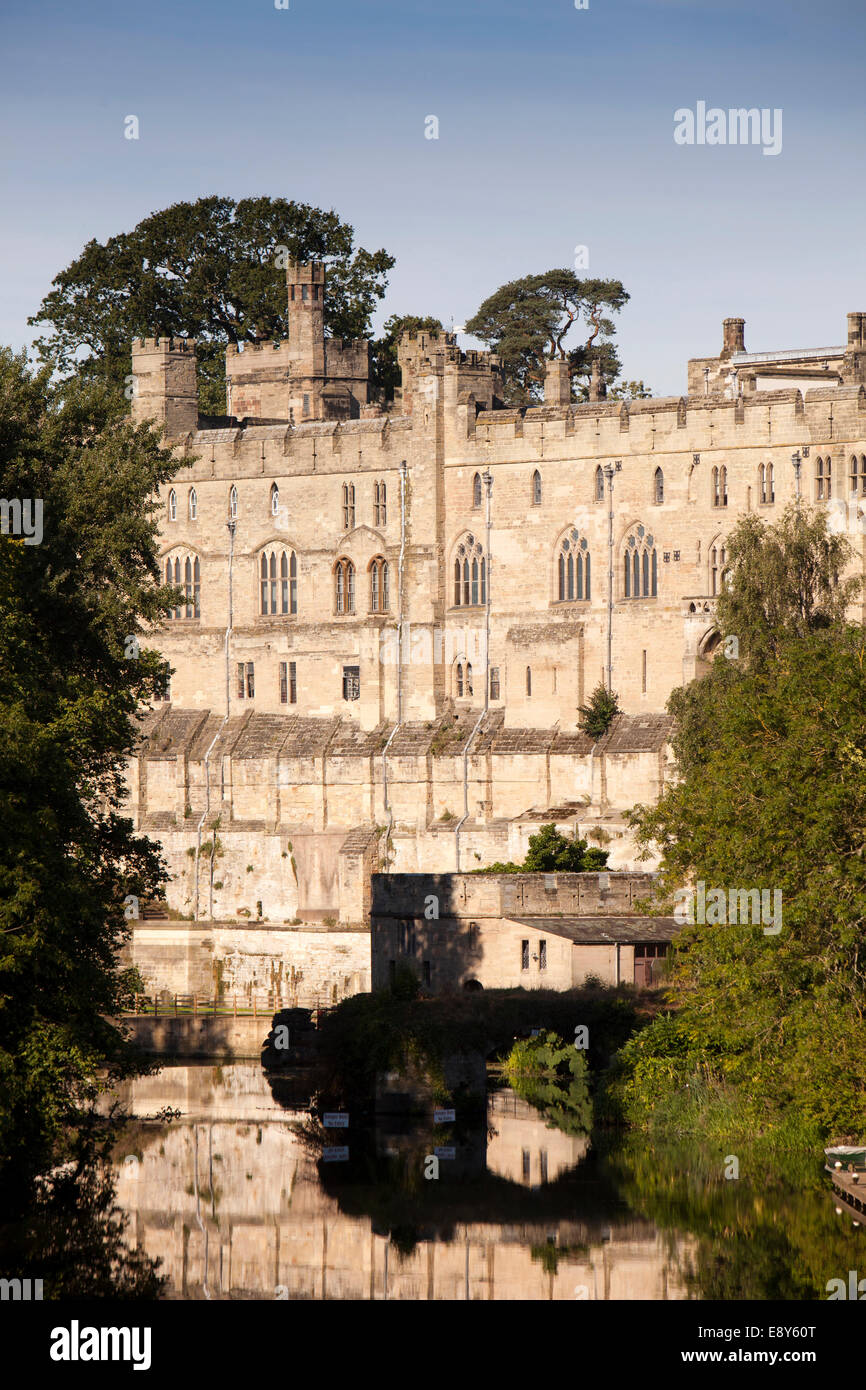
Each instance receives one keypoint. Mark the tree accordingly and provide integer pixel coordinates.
(73, 674)
(784, 580)
(771, 795)
(385, 373)
(597, 717)
(629, 391)
(213, 270)
(552, 852)
(526, 321)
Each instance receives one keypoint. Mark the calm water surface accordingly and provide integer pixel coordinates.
(235, 1197)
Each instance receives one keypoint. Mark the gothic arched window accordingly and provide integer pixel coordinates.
(470, 574)
(640, 566)
(573, 568)
(599, 484)
(278, 582)
(344, 574)
(172, 505)
(380, 506)
(476, 490)
(379, 595)
(536, 488)
(348, 506)
(659, 487)
(718, 568)
(193, 504)
(275, 500)
(184, 573)
(233, 504)
(824, 479)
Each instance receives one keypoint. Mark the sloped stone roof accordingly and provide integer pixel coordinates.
(600, 931)
(638, 733)
(168, 733)
(359, 840)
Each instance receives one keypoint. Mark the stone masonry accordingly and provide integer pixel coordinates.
(391, 618)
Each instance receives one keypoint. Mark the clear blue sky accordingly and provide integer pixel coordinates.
(555, 129)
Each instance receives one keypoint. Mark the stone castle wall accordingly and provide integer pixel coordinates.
(437, 727)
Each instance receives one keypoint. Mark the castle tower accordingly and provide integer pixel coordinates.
(164, 384)
(305, 285)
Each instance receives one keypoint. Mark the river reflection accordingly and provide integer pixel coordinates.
(235, 1199)
(239, 1198)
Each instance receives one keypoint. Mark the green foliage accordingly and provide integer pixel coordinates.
(629, 391)
(771, 755)
(597, 716)
(372, 1033)
(770, 1234)
(526, 320)
(405, 985)
(68, 857)
(385, 374)
(552, 852)
(210, 270)
(553, 1076)
(785, 581)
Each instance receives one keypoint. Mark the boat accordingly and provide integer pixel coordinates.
(846, 1155)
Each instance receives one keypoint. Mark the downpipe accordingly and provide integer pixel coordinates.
(228, 634)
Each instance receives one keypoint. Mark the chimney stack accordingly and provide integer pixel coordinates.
(857, 330)
(557, 382)
(734, 337)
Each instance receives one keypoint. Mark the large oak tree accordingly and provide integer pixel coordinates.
(213, 270)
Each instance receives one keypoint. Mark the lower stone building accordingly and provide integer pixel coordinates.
(507, 931)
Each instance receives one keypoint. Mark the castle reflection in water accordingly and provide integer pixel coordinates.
(235, 1200)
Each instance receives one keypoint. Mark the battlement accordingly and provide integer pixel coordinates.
(419, 350)
(164, 345)
(305, 272)
(241, 349)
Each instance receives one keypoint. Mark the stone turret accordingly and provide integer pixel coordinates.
(427, 357)
(306, 376)
(305, 285)
(164, 384)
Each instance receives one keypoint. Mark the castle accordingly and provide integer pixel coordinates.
(391, 615)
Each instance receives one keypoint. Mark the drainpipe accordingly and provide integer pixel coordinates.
(609, 470)
(231, 526)
(388, 807)
(488, 485)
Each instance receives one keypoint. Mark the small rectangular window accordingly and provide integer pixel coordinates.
(284, 683)
(542, 1160)
(494, 683)
(163, 684)
(542, 955)
(524, 955)
(251, 681)
(526, 1165)
(351, 682)
(305, 291)
(306, 404)
(293, 683)
(643, 677)
(241, 680)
